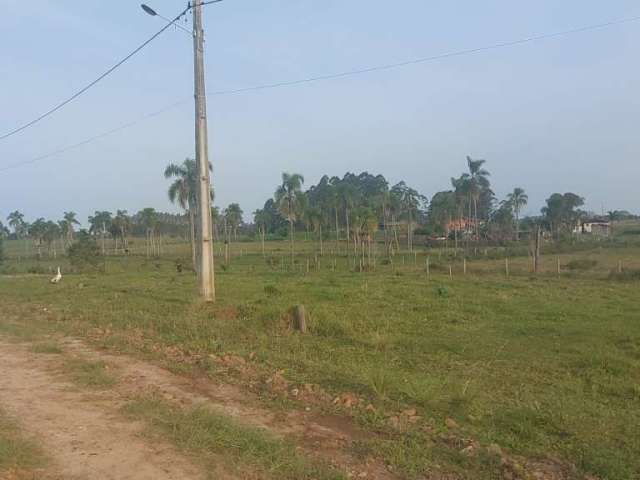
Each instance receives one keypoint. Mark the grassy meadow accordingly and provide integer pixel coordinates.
(544, 366)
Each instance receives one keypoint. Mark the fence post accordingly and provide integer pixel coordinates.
(506, 266)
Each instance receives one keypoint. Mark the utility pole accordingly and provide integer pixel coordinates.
(205, 234)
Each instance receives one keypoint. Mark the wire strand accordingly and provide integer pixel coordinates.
(94, 82)
(442, 56)
(326, 77)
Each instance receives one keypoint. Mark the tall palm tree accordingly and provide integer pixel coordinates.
(16, 221)
(288, 197)
(183, 191)
(518, 200)
(478, 181)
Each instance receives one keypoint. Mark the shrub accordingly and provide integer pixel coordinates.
(84, 253)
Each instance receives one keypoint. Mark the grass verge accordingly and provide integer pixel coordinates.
(203, 432)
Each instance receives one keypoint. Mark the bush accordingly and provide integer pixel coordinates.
(84, 253)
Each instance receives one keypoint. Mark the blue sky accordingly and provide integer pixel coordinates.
(553, 115)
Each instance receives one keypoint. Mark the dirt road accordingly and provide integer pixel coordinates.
(82, 433)
(87, 436)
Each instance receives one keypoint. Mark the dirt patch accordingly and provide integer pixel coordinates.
(327, 437)
(84, 434)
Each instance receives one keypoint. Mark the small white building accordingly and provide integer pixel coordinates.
(598, 226)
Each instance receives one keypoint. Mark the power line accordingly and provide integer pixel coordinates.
(327, 77)
(442, 56)
(94, 82)
(95, 137)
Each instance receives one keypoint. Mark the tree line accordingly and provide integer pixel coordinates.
(353, 210)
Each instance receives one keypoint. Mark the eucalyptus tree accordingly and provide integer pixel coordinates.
(148, 218)
(409, 202)
(233, 214)
(288, 197)
(315, 217)
(70, 219)
(50, 234)
(461, 188)
(121, 225)
(100, 222)
(37, 231)
(478, 178)
(518, 200)
(442, 210)
(561, 212)
(261, 219)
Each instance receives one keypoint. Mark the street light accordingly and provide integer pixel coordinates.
(204, 231)
(153, 13)
(149, 10)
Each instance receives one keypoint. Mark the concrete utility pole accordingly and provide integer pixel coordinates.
(205, 234)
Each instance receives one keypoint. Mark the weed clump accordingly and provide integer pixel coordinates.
(581, 264)
(442, 291)
(625, 275)
(272, 291)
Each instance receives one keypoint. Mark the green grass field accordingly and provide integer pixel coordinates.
(544, 366)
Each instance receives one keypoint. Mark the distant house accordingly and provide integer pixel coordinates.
(466, 225)
(597, 226)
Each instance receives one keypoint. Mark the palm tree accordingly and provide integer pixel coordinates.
(20, 228)
(16, 221)
(478, 181)
(518, 199)
(183, 191)
(70, 220)
(288, 197)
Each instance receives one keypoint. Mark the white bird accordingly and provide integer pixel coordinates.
(58, 277)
